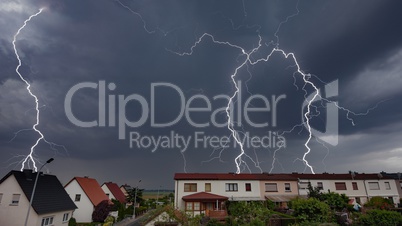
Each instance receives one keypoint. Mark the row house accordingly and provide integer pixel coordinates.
(398, 181)
(359, 187)
(206, 192)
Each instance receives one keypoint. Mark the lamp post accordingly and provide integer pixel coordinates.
(135, 198)
(157, 196)
(34, 187)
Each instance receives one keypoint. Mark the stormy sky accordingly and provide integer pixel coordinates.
(112, 77)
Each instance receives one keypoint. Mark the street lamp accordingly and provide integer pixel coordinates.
(135, 198)
(34, 187)
(157, 196)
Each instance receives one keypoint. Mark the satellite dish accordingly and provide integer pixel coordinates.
(379, 175)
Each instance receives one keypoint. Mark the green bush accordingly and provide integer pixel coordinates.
(379, 203)
(379, 218)
(72, 222)
(311, 210)
(246, 213)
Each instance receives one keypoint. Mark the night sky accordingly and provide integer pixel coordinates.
(144, 57)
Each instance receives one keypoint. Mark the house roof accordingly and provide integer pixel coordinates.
(91, 188)
(277, 177)
(233, 176)
(337, 176)
(126, 187)
(203, 196)
(115, 190)
(49, 197)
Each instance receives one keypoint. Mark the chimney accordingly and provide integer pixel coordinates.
(28, 174)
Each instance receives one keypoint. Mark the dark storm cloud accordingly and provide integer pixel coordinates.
(358, 43)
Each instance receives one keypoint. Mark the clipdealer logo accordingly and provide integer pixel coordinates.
(110, 103)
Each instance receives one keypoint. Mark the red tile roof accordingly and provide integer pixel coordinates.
(278, 177)
(233, 176)
(203, 196)
(115, 190)
(91, 188)
(337, 176)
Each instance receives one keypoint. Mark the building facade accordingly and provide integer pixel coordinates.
(51, 204)
(86, 194)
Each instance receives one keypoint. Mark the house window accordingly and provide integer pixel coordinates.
(189, 206)
(1, 197)
(207, 187)
(271, 187)
(190, 187)
(340, 185)
(320, 186)
(373, 186)
(287, 187)
(231, 187)
(303, 185)
(248, 186)
(193, 206)
(15, 200)
(196, 206)
(77, 197)
(65, 217)
(47, 221)
(354, 185)
(387, 186)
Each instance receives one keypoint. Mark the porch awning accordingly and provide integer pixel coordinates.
(204, 196)
(280, 198)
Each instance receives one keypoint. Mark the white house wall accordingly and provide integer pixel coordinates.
(14, 215)
(108, 193)
(218, 188)
(383, 192)
(84, 210)
(363, 191)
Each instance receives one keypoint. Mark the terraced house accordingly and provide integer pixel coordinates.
(206, 193)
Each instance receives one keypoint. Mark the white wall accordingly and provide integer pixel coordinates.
(383, 192)
(57, 218)
(362, 185)
(84, 210)
(108, 192)
(218, 188)
(14, 215)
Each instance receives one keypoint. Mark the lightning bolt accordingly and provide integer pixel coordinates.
(240, 161)
(29, 157)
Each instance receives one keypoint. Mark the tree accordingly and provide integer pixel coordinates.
(313, 192)
(335, 201)
(131, 195)
(310, 210)
(101, 211)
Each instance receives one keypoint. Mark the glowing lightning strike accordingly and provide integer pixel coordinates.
(28, 87)
(247, 62)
